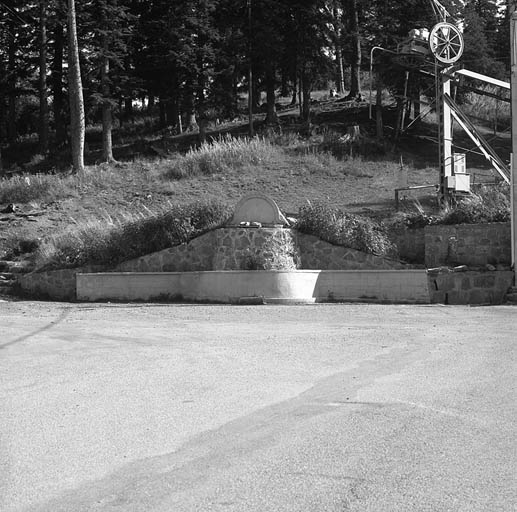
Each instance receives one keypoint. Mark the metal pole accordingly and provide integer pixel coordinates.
(250, 75)
(443, 87)
(371, 73)
(513, 182)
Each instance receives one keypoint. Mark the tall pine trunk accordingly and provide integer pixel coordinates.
(340, 82)
(58, 97)
(11, 84)
(271, 116)
(43, 93)
(75, 91)
(107, 118)
(355, 65)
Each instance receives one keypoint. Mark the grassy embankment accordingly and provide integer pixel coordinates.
(146, 205)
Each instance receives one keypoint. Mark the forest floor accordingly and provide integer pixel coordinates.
(137, 181)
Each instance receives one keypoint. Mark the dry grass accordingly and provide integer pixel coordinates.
(224, 155)
(495, 112)
(108, 241)
(35, 187)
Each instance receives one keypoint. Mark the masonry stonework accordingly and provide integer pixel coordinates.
(468, 244)
(257, 249)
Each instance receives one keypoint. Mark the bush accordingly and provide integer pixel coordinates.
(487, 204)
(107, 242)
(346, 229)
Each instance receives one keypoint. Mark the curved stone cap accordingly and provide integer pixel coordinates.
(258, 207)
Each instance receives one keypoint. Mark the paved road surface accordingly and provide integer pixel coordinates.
(297, 408)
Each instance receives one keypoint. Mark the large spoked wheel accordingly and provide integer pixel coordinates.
(446, 43)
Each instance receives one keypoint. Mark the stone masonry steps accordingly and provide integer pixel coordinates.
(9, 272)
(511, 296)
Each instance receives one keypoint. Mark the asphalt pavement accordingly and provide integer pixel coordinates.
(342, 407)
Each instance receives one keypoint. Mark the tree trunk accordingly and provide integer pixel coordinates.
(58, 97)
(107, 115)
(378, 111)
(107, 118)
(340, 85)
(341, 72)
(295, 92)
(11, 85)
(162, 113)
(128, 109)
(171, 112)
(77, 122)
(43, 94)
(306, 92)
(355, 65)
(271, 116)
(191, 123)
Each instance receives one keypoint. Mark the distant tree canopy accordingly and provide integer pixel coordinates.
(189, 59)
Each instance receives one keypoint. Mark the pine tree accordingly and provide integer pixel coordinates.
(477, 55)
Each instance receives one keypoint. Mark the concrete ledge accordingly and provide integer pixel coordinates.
(303, 286)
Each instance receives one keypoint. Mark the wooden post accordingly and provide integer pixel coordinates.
(513, 85)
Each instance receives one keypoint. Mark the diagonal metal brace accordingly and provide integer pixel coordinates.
(476, 137)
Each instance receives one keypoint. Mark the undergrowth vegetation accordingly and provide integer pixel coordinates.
(489, 203)
(109, 241)
(223, 155)
(34, 187)
(490, 109)
(341, 228)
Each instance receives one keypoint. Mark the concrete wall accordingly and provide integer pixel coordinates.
(270, 286)
(469, 287)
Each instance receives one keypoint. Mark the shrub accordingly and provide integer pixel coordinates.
(222, 155)
(488, 204)
(108, 242)
(346, 229)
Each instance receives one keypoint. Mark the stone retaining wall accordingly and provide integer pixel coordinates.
(468, 244)
(469, 287)
(53, 284)
(257, 249)
(285, 249)
(411, 245)
(317, 254)
(474, 245)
